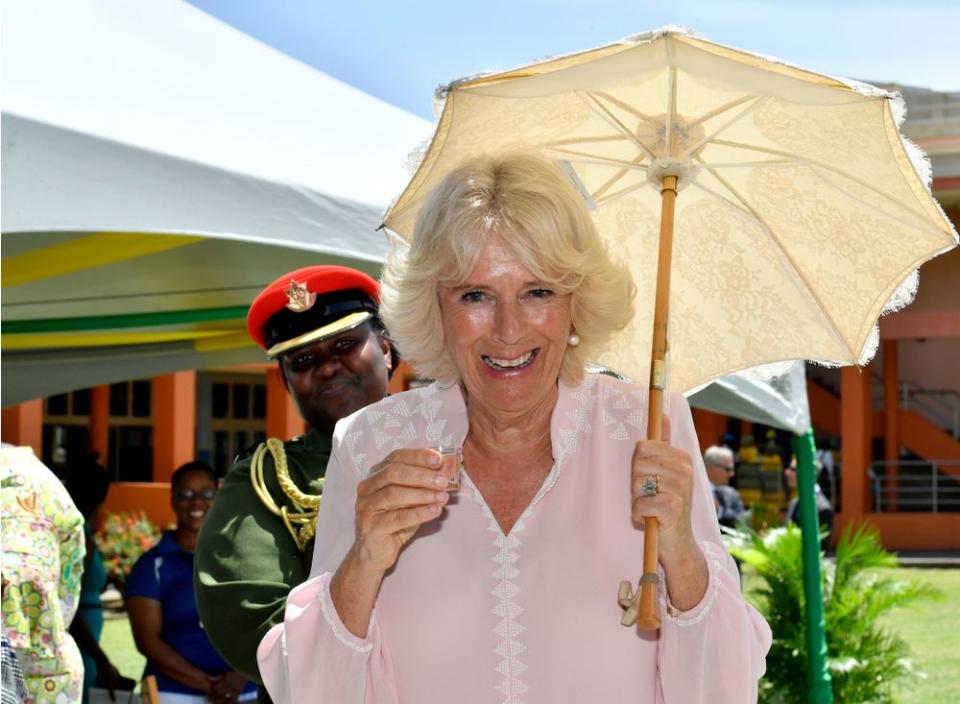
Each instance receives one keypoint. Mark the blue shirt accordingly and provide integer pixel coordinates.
(165, 573)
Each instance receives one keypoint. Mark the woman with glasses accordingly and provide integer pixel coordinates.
(163, 610)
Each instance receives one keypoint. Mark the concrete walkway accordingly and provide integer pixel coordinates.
(929, 558)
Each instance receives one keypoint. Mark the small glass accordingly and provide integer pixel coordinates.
(452, 463)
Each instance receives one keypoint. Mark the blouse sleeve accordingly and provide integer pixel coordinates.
(716, 651)
(312, 656)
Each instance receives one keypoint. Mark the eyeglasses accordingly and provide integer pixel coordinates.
(188, 494)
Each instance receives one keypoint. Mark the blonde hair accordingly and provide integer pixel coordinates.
(534, 209)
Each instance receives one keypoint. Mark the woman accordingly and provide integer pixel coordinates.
(507, 590)
(40, 565)
(88, 483)
(163, 611)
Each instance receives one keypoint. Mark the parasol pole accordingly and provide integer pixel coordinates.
(648, 616)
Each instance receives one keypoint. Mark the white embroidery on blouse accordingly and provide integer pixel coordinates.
(326, 606)
(508, 627)
(620, 409)
(393, 425)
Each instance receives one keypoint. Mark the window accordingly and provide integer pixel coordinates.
(238, 412)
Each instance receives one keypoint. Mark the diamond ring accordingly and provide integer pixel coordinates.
(650, 485)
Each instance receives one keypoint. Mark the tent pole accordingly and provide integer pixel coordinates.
(818, 676)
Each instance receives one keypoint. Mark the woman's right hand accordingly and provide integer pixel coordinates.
(403, 491)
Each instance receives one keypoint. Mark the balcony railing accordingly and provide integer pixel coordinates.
(918, 486)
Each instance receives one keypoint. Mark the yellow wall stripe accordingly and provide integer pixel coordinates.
(86, 252)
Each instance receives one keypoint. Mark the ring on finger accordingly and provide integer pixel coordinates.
(650, 485)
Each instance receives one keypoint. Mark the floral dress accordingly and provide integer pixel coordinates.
(43, 550)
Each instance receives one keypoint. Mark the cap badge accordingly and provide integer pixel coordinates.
(299, 298)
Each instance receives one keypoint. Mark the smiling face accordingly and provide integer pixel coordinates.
(191, 498)
(506, 332)
(334, 377)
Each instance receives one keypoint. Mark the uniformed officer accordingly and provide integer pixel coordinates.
(320, 323)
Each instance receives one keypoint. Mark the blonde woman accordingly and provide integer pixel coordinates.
(506, 590)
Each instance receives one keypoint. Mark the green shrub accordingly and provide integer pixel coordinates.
(866, 661)
(122, 539)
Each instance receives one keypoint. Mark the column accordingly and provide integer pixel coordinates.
(855, 430)
(283, 418)
(174, 400)
(710, 427)
(891, 417)
(23, 425)
(99, 424)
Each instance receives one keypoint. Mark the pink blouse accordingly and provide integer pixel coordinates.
(471, 615)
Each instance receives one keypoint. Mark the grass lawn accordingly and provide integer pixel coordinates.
(932, 628)
(117, 643)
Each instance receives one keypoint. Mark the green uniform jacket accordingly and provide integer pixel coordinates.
(246, 562)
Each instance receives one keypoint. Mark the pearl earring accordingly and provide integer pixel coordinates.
(573, 340)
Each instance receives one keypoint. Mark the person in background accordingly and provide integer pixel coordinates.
(720, 468)
(163, 612)
(825, 510)
(14, 688)
(827, 477)
(88, 484)
(320, 324)
(43, 549)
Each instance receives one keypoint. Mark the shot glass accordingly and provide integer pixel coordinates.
(452, 461)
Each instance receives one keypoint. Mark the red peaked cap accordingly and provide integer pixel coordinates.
(339, 291)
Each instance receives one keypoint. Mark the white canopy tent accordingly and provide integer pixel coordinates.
(159, 167)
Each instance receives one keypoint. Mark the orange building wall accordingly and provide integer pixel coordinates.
(909, 531)
(22, 425)
(153, 498)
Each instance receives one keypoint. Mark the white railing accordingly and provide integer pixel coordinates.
(940, 406)
(915, 486)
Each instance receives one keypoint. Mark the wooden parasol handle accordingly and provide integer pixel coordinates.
(645, 601)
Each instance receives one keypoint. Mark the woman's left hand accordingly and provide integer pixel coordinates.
(684, 563)
(672, 470)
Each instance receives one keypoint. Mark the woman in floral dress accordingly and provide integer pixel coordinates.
(43, 550)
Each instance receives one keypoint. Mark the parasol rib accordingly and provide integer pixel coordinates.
(602, 160)
(627, 107)
(786, 254)
(692, 149)
(618, 194)
(601, 110)
(671, 105)
(722, 109)
(775, 163)
(820, 164)
(612, 180)
(585, 140)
